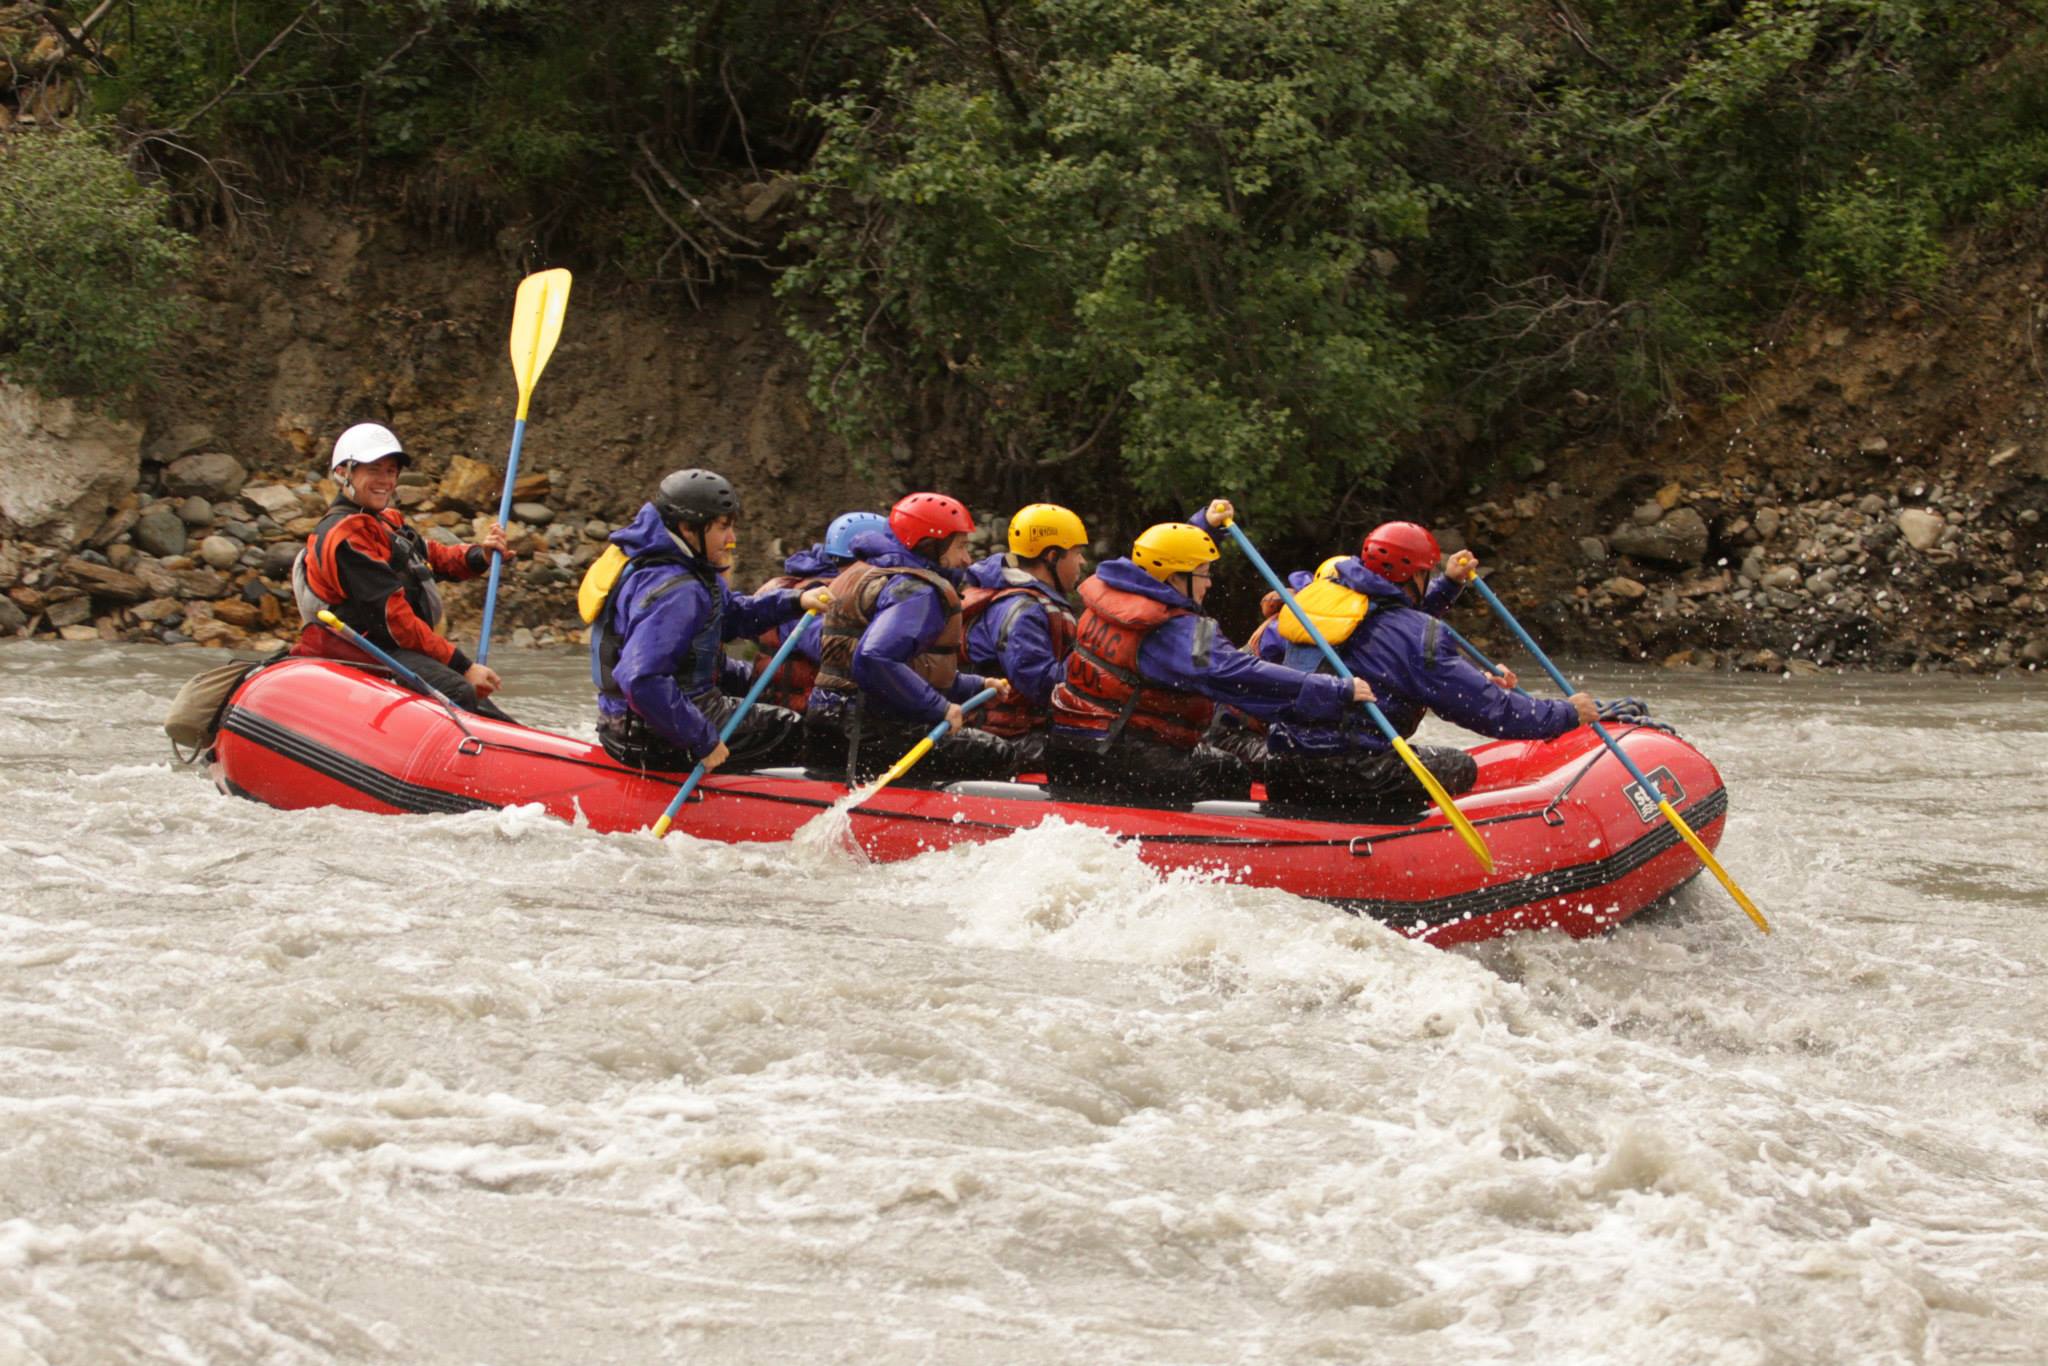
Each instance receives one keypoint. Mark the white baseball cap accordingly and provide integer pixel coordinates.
(362, 443)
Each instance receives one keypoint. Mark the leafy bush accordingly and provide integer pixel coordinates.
(86, 264)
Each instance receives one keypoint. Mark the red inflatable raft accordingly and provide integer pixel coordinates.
(1577, 846)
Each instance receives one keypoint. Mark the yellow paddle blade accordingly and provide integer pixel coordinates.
(536, 326)
(1444, 804)
(661, 827)
(905, 764)
(1706, 856)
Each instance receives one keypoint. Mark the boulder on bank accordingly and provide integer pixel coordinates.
(1677, 538)
(214, 475)
(62, 468)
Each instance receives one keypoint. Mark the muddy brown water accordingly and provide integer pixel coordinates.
(331, 1087)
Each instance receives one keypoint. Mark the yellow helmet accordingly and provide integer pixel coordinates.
(1042, 527)
(1172, 548)
(1328, 568)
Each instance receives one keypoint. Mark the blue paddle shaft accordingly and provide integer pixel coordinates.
(483, 641)
(1500, 609)
(1477, 655)
(1252, 553)
(355, 638)
(732, 723)
(938, 732)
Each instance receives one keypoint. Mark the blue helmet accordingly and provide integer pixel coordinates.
(847, 525)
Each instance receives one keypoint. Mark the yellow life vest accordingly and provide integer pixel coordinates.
(1335, 609)
(597, 583)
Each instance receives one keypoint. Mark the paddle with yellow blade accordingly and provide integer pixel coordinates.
(536, 325)
(1650, 789)
(732, 723)
(924, 746)
(1464, 827)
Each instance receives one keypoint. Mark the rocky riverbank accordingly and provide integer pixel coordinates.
(201, 553)
(1872, 497)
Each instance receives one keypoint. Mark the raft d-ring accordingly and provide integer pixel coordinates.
(1357, 840)
(1553, 817)
(464, 747)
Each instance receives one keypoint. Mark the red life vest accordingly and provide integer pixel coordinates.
(408, 619)
(791, 687)
(1019, 715)
(1104, 691)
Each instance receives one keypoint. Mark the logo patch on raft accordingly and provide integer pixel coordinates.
(1644, 803)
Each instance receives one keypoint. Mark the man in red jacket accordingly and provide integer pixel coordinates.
(368, 567)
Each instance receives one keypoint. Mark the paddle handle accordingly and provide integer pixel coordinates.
(732, 723)
(483, 640)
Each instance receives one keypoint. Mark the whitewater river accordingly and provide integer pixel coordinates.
(325, 1086)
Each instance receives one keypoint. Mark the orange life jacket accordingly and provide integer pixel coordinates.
(791, 687)
(1019, 715)
(1104, 691)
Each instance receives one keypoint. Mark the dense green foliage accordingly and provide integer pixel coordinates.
(1231, 244)
(85, 261)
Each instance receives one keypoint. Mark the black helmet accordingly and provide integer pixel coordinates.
(696, 497)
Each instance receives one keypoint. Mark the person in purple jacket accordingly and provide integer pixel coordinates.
(889, 655)
(1149, 668)
(657, 646)
(1020, 624)
(1379, 611)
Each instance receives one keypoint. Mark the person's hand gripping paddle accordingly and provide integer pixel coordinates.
(1473, 840)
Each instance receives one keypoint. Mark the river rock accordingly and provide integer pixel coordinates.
(62, 467)
(220, 635)
(159, 531)
(1623, 587)
(119, 523)
(533, 514)
(160, 610)
(1768, 520)
(199, 583)
(12, 618)
(1679, 539)
(274, 500)
(70, 612)
(215, 475)
(1921, 528)
(469, 485)
(193, 511)
(278, 558)
(182, 439)
(1592, 550)
(237, 612)
(220, 551)
(104, 581)
(1871, 504)
(1647, 514)
(1784, 578)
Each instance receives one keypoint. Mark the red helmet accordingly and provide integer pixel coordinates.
(1398, 551)
(928, 516)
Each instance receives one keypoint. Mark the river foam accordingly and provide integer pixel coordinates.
(324, 1086)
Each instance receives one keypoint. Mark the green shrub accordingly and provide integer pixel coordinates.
(87, 265)
(1871, 233)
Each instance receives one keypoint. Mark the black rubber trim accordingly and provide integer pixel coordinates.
(1573, 881)
(332, 763)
